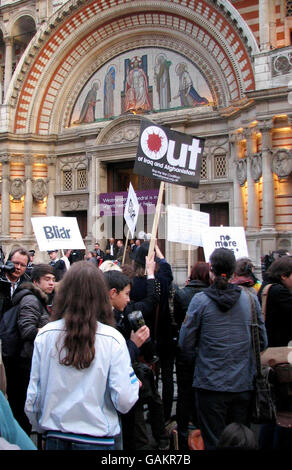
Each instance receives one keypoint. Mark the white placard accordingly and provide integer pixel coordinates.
(54, 233)
(186, 225)
(232, 238)
(131, 211)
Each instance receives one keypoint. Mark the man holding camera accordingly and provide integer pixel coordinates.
(13, 273)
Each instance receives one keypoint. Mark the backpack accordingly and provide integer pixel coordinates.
(9, 332)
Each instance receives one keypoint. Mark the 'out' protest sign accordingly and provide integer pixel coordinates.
(54, 233)
(186, 225)
(168, 155)
(131, 210)
(232, 238)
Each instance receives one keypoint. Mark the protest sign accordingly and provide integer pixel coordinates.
(54, 233)
(131, 210)
(167, 155)
(186, 225)
(232, 238)
(113, 204)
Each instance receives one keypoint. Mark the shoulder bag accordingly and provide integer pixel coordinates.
(263, 409)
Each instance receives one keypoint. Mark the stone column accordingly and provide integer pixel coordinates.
(264, 25)
(51, 185)
(28, 197)
(252, 197)
(237, 197)
(8, 63)
(268, 210)
(5, 203)
(91, 211)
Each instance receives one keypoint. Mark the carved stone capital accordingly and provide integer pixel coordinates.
(5, 158)
(51, 159)
(265, 125)
(28, 160)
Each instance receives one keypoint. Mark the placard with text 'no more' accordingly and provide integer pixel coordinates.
(169, 155)
(232, 238)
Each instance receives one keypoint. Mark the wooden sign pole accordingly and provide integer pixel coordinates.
(125, 247)
(189, 260)
(156, 219)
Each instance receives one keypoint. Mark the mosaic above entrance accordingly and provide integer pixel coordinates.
(142, 81)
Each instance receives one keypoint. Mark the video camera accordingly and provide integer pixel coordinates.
(147, 349)
(7, 267)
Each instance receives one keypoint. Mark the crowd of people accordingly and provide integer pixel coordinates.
(98, 344)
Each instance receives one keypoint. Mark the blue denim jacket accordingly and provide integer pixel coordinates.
(220, 342)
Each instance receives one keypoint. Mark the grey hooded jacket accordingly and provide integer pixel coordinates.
(216, 334)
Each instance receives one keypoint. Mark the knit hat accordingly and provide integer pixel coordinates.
(141, 252)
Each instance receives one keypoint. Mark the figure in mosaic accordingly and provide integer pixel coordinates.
(88, 109)
(186, 92)
(109, 86)
(136, 90)
(163, 81)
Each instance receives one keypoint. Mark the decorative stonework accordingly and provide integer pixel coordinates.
(256, 166)
(212, 196)
(39, 189)
(124, 129)
(73, 161)
(282, 163)
(241, 171)
(17, 189)
(282, 64)
(73, 204)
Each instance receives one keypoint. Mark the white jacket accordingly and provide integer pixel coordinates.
(62, 398)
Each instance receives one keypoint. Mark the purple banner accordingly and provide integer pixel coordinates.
(116, 202)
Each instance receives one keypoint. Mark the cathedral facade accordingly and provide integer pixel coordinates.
(77, 77)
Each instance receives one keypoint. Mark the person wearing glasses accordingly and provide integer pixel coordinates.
(11, 280)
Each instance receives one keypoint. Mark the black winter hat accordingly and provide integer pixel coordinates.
(141, 253)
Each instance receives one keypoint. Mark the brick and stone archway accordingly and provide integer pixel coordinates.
(84, 35)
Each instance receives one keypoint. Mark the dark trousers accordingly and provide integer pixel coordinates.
(134, 429)
(215, 410)
(17, 375)
(274, 437)
(135, 434)
(185, 407)
(166, 365)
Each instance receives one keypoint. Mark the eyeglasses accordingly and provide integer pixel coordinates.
(16, 263)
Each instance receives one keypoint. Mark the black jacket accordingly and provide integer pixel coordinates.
(5, 298)
(144, 297)
(164, 328)
(183, 297)
(59, 268)
(107, 254)
(33, 315)
(278, 314)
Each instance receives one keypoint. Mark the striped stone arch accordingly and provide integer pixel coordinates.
(84, 34)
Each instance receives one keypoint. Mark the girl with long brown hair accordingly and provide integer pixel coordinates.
(81, 370)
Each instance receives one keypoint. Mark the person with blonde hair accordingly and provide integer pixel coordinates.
(109, 265)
